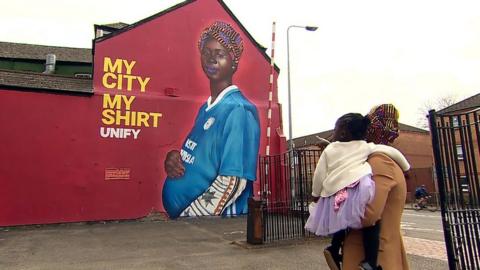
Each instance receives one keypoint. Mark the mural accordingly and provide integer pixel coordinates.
(213, 172)
(175, 124)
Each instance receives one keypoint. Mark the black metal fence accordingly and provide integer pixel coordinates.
(285, 188)
(455, 140)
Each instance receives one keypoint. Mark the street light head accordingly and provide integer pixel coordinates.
(308, 28)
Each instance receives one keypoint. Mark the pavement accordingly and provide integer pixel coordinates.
(154, 243)
(425, 248)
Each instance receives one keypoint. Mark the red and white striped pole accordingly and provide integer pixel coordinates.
(269, 119)
(270, 92)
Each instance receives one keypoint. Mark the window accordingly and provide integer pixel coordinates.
(464, 184)
(455, 122)
(459, 152)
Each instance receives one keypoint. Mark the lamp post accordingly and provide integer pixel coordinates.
(308, 28)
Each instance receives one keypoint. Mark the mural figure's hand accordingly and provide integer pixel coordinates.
(173, 164)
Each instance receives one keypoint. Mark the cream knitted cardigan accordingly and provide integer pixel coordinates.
(343, 163)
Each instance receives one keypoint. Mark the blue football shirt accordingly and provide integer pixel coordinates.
(223, 141)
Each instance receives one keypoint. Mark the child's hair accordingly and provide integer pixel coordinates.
(355, 124)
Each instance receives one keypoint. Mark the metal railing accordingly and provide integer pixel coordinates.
(455, 141)
(285, 188)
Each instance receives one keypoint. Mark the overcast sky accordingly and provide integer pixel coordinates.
(364, 53)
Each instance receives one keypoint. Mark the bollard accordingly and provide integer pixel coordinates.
(255, 221)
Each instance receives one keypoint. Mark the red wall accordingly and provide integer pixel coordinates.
(53, 159)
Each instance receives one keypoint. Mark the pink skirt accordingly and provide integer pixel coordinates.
(325, 220)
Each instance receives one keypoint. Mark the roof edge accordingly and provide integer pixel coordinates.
(451, 108)
(410, 129)
(41, 45)
(47, 90)
(43, 74)
(257, 45)
(138, 23)
(86, 91)
(34, 60)
(175, 7)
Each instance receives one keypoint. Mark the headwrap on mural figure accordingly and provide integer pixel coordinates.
(213, 173)
(384, 124)
(225, 35)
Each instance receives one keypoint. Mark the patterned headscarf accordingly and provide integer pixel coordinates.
(225, 35)
(384, 124)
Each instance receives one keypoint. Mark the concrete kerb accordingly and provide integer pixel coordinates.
(281, 243)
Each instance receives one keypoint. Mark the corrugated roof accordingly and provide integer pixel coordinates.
(468, 103)
(31, 80)
(39, 52)
(313, 140)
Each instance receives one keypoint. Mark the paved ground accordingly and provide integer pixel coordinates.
(423, 234)
(426, 248)
(207, 243)
(422, 224)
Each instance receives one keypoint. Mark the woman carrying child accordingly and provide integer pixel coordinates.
(389, 200)
(343, 186)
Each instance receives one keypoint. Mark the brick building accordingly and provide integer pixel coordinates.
(413, 142)
(463, 156)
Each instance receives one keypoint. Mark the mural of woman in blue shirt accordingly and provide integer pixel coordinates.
(213, 172)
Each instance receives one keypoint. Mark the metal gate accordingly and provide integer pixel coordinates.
(285, 188)
(455, 141)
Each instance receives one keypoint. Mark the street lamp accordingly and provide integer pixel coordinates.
(308, 28)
